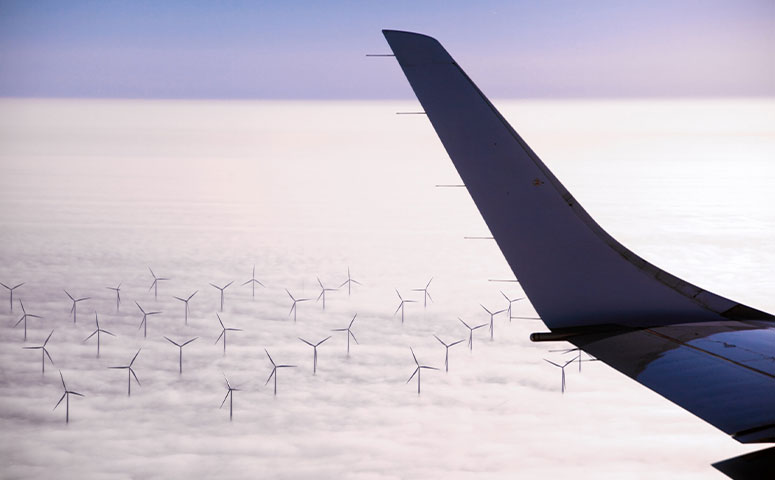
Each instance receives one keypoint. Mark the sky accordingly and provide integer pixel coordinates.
(316, 50)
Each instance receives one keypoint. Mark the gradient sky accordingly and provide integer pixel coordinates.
(315, 50)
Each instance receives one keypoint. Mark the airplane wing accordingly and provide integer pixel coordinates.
(712, 356)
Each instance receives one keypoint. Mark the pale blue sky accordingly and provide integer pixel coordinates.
(315, 50)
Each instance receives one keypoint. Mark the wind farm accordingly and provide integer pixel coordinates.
(203, 197)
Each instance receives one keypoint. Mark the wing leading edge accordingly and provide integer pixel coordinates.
(706, 353)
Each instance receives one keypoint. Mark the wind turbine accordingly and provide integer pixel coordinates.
(253, 282)
(97, 332)
(349, 282)
(349, 333)
(118, 294)
(223, 333)
(180, 346)
(43, 354)
(426, 295)
(446, 351)
(155, 284)
(274, 371)
(492, 322)
(471, 333)
(222, 289)
(130, 374)
(401, 306)
(323, 291)
(144, 321)
(230, 396)
(315, 354)
(185, 300)
(74, 308)
(511, 302)
(418, 370)
(295, 301)
(10, 290)
(66, 395)
(24, 319)
(562, 367)
(578, 356)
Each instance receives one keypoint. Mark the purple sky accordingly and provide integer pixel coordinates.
(315, 50)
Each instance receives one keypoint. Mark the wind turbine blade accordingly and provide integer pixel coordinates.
(31, 348)
(93, 334)
(399, 308)
(216, 286)
(134, 375)
(413, 356)
(224, 398)
(480, 326)
(353, 335)
(322, 292)
(49, 356)
(464, 323)
(339, 330)
(270, 376)
(228, 385)
(219, 320)
(34, 316)
(182, 300)
(270, 357)
(429, 283)
(135, 357)
(227, 285)
(189, 341)
(353, 320)
(399, 295)
(192, 295)
(19, 285)
(485, 309)
(289, 294)
(219, 336)
(320, 342)
(455, 343)
(71, 297)
(559, 366)
(247, 282)
(152, 274)
(356, 282)
(440, 341)
(60, 401)
(141, 308)
(6, 286)
(76, 393)
(413, 374)
(429, 295)
(427, 367)
(63, 380)
(320, 283)
(311, 345)
(174, 343)
(105, 331)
